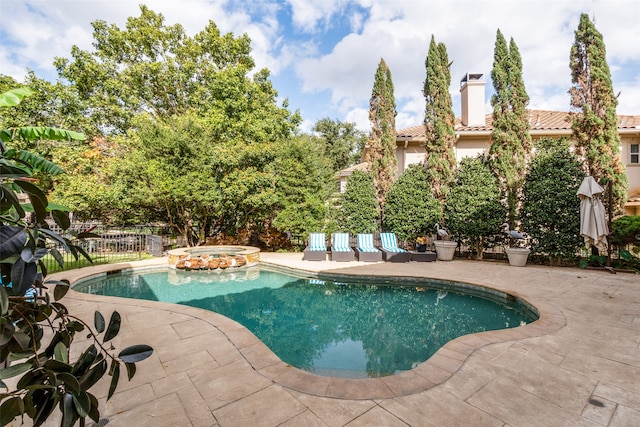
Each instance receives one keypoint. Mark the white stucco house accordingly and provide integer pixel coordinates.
(473, 136)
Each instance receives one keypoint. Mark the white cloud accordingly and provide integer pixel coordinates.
(334, 46)
(307, 15)
(400, 32)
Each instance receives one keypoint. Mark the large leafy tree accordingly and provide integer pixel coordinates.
(440, 159)
(511, 142)
(411, 209)
(382, 141)
(550, 208)
(359, 205)
(37, 330)
(595, 128)
(184, 116)
(303, 180)
(150, 67)
(342, 141)
(474, 211)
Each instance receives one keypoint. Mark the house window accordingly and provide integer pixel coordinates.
(635, 153)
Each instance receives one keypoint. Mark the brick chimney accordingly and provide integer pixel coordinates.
(472, 93)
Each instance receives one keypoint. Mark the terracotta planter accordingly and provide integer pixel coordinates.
(517, 256)
(445, 249)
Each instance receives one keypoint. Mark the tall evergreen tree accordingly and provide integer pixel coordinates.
(382, 141)
(595, 129)
(511, 143)
(439, 120)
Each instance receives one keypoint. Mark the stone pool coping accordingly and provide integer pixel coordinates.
(583, 373)
(436, 370)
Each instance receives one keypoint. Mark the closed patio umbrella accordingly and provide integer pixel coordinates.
(593, 220)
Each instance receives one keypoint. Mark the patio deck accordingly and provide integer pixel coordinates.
(578, 365)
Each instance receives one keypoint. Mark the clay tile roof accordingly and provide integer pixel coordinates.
(348, 171)
(538, 119)
(412, 132)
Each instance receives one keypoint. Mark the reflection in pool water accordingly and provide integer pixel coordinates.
(357, 329)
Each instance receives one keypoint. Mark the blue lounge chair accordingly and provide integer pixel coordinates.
(316, 250)
(390, 250)
(341, 248)
(366, 250)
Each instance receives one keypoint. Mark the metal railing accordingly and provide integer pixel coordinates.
(113, 245)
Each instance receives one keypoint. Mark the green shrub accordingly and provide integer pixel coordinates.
(410, 209)
(474, 212)
(359, 205)
(550, 212)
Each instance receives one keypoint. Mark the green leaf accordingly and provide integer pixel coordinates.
(13, 97)
(113, 328)
(57, 256)
(82, 402)
(8, 198)
(35, 133)
(35, 162)
(60, 291)
(14, 370)
(98, 321)
(115, 376)
(131, 370)
(7, 330)
(55, 236)
(94, 414)
(135, 353)
(10, 409)
(70, 381)
(23, 275)
(61, 353)
(57, 365)
(48, 402)
(12, 240)
(69, 416)
(57, 207)
(37, 197)
(93, 375)
(28, 256)
(4, 302)
(61, 218)
(85, 360)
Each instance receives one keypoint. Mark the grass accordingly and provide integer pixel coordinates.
(98, 259)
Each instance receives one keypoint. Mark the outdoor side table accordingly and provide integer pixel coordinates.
(427, 256)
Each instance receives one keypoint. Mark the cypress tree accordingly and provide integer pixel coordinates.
(439, 121)
(595, 130)
(382, 141)
(511, 142)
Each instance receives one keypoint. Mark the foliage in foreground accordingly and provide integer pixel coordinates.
(36, 330)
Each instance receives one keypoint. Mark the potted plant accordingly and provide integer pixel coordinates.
(421, 243)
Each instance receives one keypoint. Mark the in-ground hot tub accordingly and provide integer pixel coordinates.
(213, 257)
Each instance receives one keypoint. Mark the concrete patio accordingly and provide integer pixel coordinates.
(579, 364)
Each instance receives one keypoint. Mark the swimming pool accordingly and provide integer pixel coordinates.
(329, 326)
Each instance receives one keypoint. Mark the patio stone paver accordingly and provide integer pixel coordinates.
(578, 364)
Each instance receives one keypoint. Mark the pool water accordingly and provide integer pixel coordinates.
(355, 329)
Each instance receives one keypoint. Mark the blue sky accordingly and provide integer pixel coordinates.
(323, 54)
